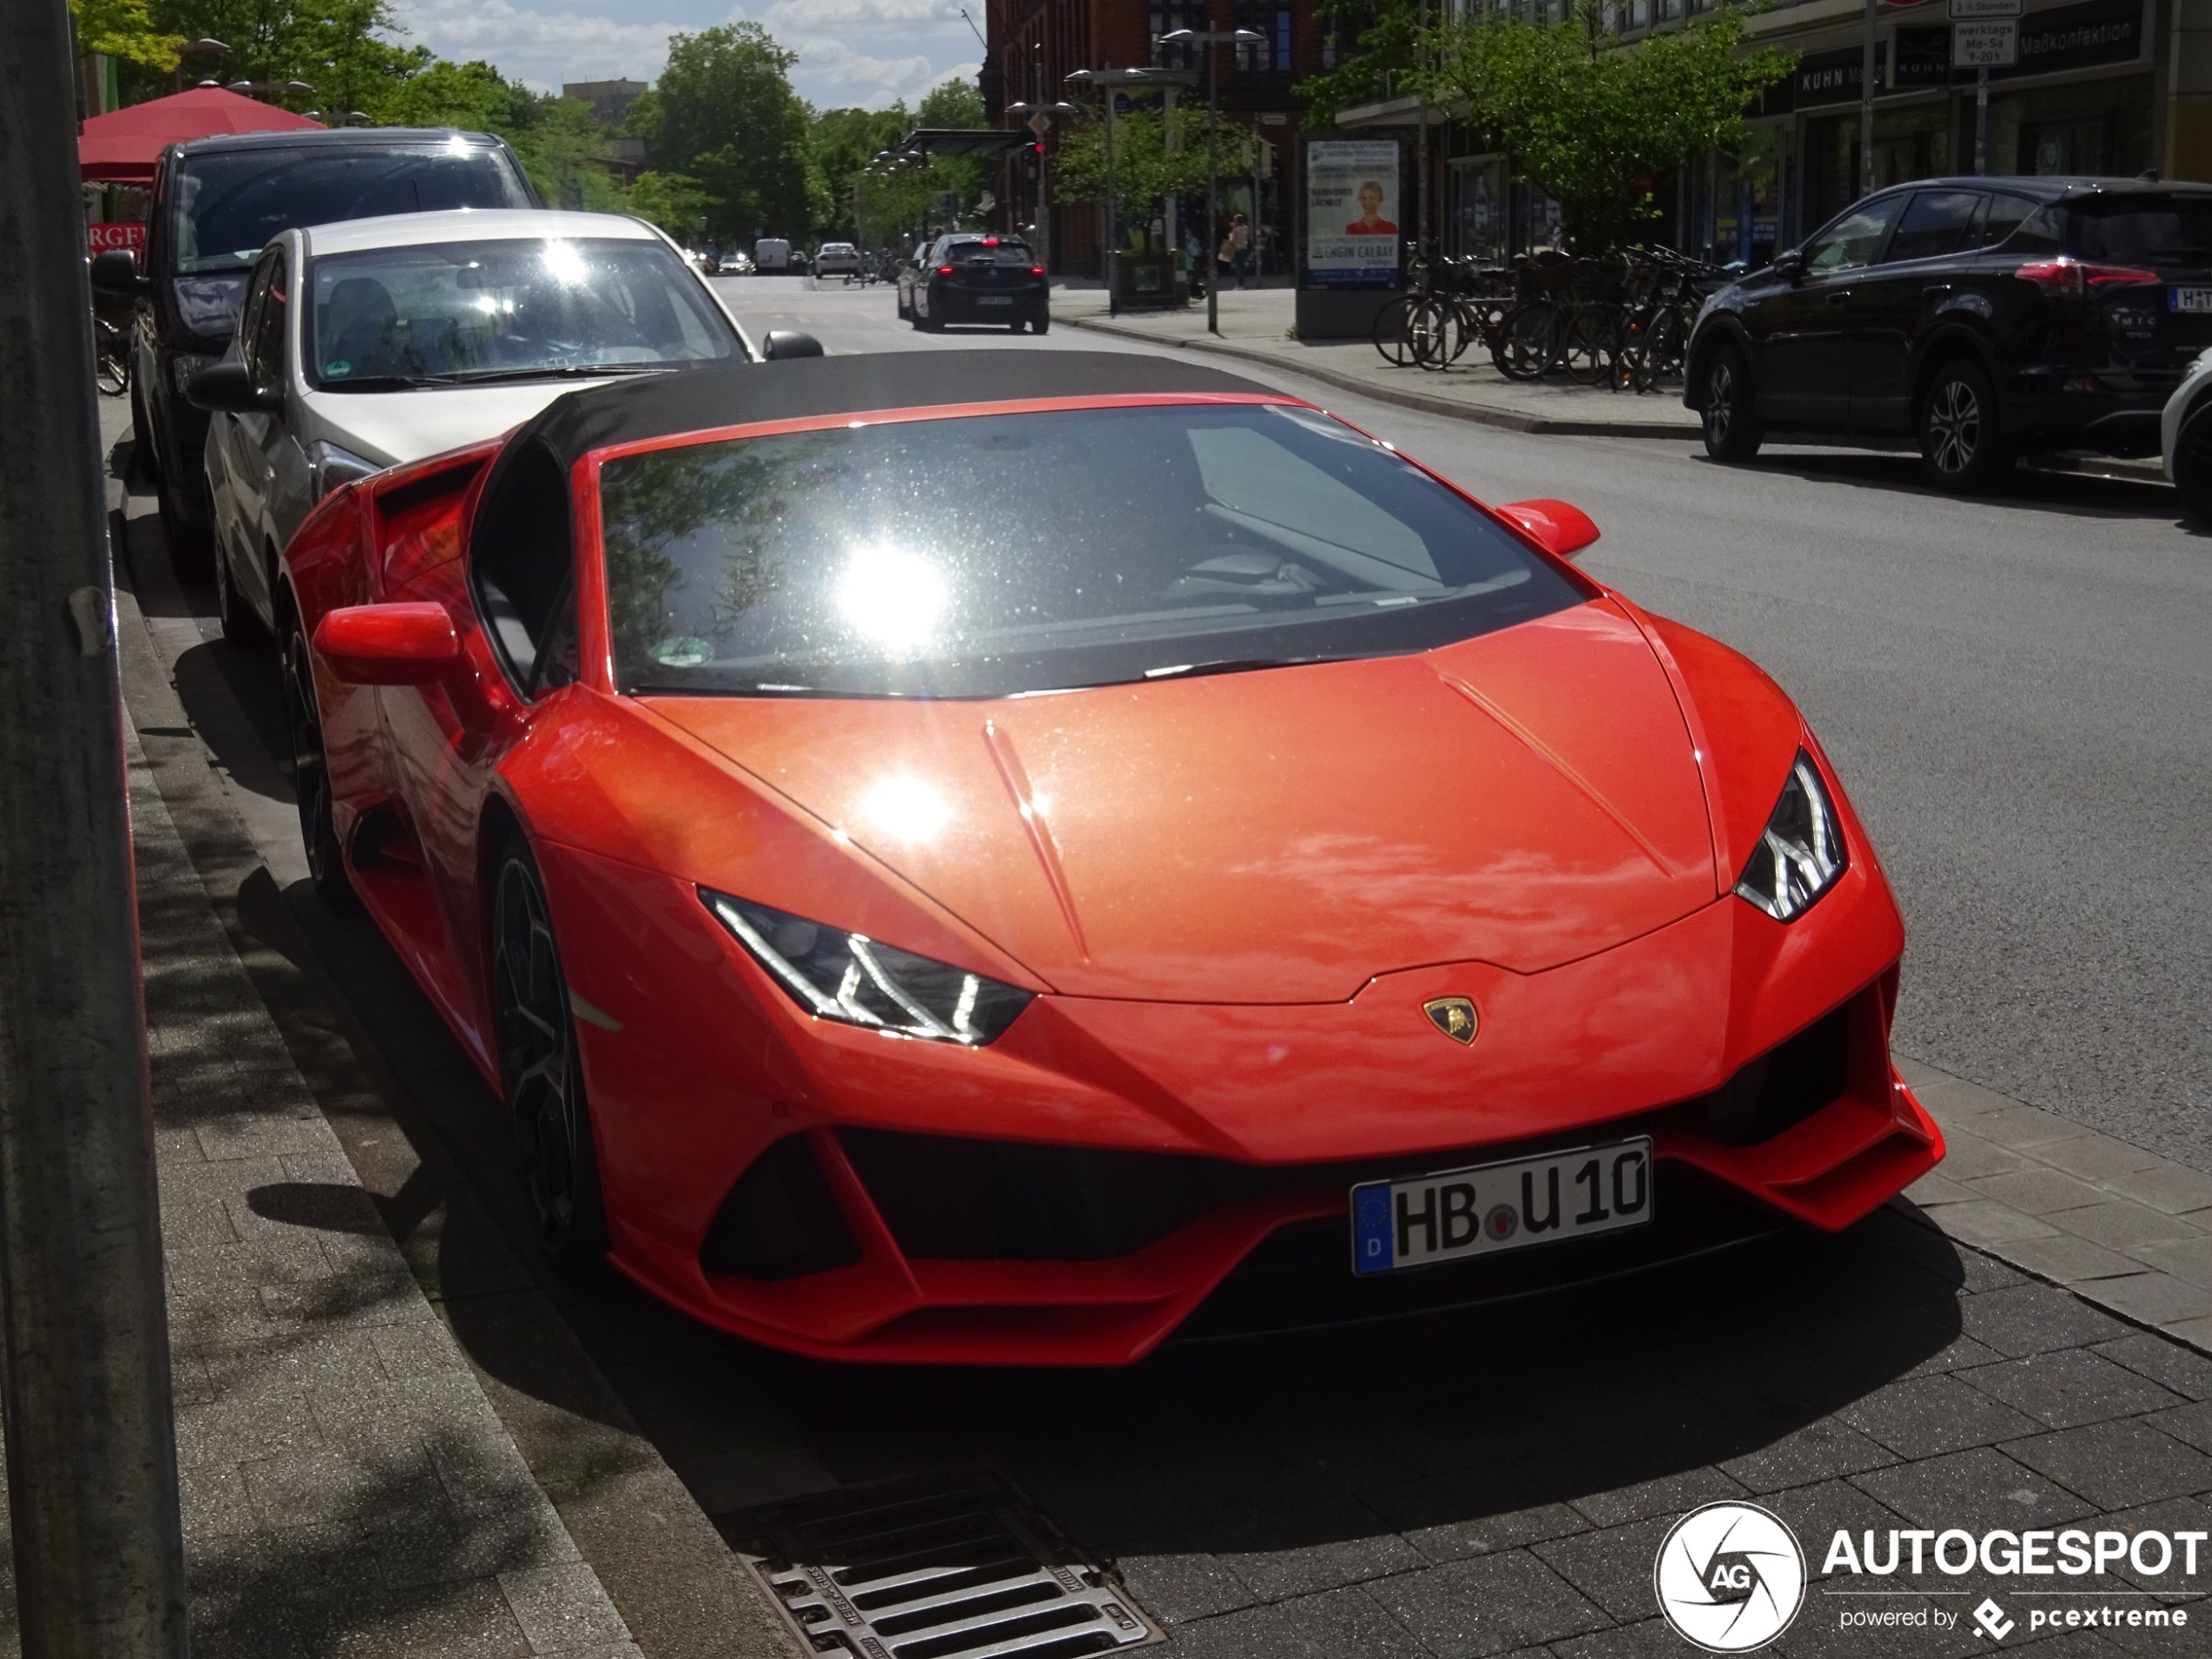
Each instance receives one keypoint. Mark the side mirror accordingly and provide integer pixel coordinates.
(229, 385)
(1789, 266)
(116, 272)
(1553, 525)
(789, 342)
(389, 645)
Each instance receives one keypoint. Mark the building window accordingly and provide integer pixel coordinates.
(1271, 53)
(1165, 21)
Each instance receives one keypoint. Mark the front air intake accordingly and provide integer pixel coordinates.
(780, 1220)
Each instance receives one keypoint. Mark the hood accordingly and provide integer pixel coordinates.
(391, 428)
(1524, 800)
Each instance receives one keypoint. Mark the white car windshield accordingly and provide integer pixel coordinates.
(454, 313)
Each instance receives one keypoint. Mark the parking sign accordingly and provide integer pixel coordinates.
(1984, 45)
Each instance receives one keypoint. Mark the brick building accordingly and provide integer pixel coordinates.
(1034, 45)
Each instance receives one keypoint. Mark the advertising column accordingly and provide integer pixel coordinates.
(1352, 235)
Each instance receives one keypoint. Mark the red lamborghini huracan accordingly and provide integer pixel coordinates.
(996, 856)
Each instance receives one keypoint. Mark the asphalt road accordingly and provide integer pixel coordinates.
(2016, 688)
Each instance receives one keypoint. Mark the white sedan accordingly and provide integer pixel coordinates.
(2185, 438)
(379, 340)
(837, 259)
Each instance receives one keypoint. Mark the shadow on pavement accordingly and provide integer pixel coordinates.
(2030, 489)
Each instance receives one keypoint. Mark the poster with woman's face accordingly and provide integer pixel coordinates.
(1351, 212)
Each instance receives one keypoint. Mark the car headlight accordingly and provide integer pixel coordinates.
(1800, 854)
(331, 466)
(859, 981)
(186, 364)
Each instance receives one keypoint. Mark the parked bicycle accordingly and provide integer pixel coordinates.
(110, 358)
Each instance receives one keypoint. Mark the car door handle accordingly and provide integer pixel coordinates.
(1839, 296)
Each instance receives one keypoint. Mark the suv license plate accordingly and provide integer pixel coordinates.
(2188, 299)
(1457, 1213)
(1008, 300)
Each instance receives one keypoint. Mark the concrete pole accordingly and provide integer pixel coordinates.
(1981, 121)
(1213, 170)
(92, 1453)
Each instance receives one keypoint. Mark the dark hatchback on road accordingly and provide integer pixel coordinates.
(971, 278)
(1985, 318)
(216, 203)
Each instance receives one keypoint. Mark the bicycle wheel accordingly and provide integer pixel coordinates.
(1390, 332)
(1428, 332)
(1592, 338)
(1670, 343)
(1527, 339)
(114, 373)
(1478, 320)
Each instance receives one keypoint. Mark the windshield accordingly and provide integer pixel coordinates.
(992, 555)
(230, 203)
(2177, 231)
(986, 254)
(511, 309)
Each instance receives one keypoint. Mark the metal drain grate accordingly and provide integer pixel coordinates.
(946, 1568)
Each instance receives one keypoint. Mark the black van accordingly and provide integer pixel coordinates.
(216, 203)
(1983, 318)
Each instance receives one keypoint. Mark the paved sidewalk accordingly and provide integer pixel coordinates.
(2121, 1227)
(1255, 325)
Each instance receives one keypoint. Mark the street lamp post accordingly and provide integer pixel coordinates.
(1210, 38)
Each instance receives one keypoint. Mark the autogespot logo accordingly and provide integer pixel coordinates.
(1730, 1577)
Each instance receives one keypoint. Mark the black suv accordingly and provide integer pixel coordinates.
(967, 277)
(1987, 318)
(216, 203)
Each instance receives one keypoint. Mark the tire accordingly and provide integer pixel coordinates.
(1960, 446)
(906, 311)
(241, 627)
(1589, 345)
(311, 777)
(538, 1067)
(1730, 416)
(143, 463)
(2193, 463)
(1040, 325)
(1528, 340)
(1428, 332)
(1390, 332)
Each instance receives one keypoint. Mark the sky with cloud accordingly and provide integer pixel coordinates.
(864, 52)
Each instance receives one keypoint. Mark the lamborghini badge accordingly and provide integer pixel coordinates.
(1454, 1016)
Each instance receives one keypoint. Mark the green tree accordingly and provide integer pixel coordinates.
(1156, 155)
(1378, 45)
(1591, 120)
(125, 30)
(725, 115)
(672, 201)
(840, 145)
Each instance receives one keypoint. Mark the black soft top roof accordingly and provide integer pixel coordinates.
(699, 399)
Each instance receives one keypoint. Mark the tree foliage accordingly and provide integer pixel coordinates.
(725, 115)
(1156, 155)
(1593, 121)
(1378, 42)
(125, 30)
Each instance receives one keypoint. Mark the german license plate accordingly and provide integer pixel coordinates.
(1493, 1207)
(995, 299)
(2188, 299)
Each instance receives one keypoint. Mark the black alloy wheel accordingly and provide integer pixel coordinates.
(1960, 446)
(538, 1069)
(1730, 415)
(2193, 463)
(311, 777)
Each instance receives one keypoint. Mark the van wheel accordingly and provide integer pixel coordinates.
(1730, 415)
(2192, 463)
(1960, 446)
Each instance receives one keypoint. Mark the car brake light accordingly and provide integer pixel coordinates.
(944, 270)
(990, 241)
(2066, 274)
(1037, 270)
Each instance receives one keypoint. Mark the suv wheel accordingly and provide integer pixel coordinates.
(2193, 463)
(1960, 446)
(1730, 415)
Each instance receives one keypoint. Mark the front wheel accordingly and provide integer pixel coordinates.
(538, 1070)
(1960, 446)
(311, 776)
(1730, 416)
(1528, 340)
(2192, 463)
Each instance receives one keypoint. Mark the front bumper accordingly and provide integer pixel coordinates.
(847, 1196)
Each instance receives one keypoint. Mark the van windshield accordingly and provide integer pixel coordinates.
(229, 202)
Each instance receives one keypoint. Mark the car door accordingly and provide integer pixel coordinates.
(266, 465)
(1801, 330)
(287, 478)
(233, 493)
(1893, 302)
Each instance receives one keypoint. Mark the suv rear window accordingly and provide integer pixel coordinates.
(230, 203)
(2134, 230)
(999, 253)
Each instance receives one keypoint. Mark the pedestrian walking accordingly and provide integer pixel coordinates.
(1236, 249)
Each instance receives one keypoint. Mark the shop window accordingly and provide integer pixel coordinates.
(1639, 14)
(1165, 20)
(1271, 54)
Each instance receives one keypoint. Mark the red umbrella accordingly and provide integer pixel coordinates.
(122, 147)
